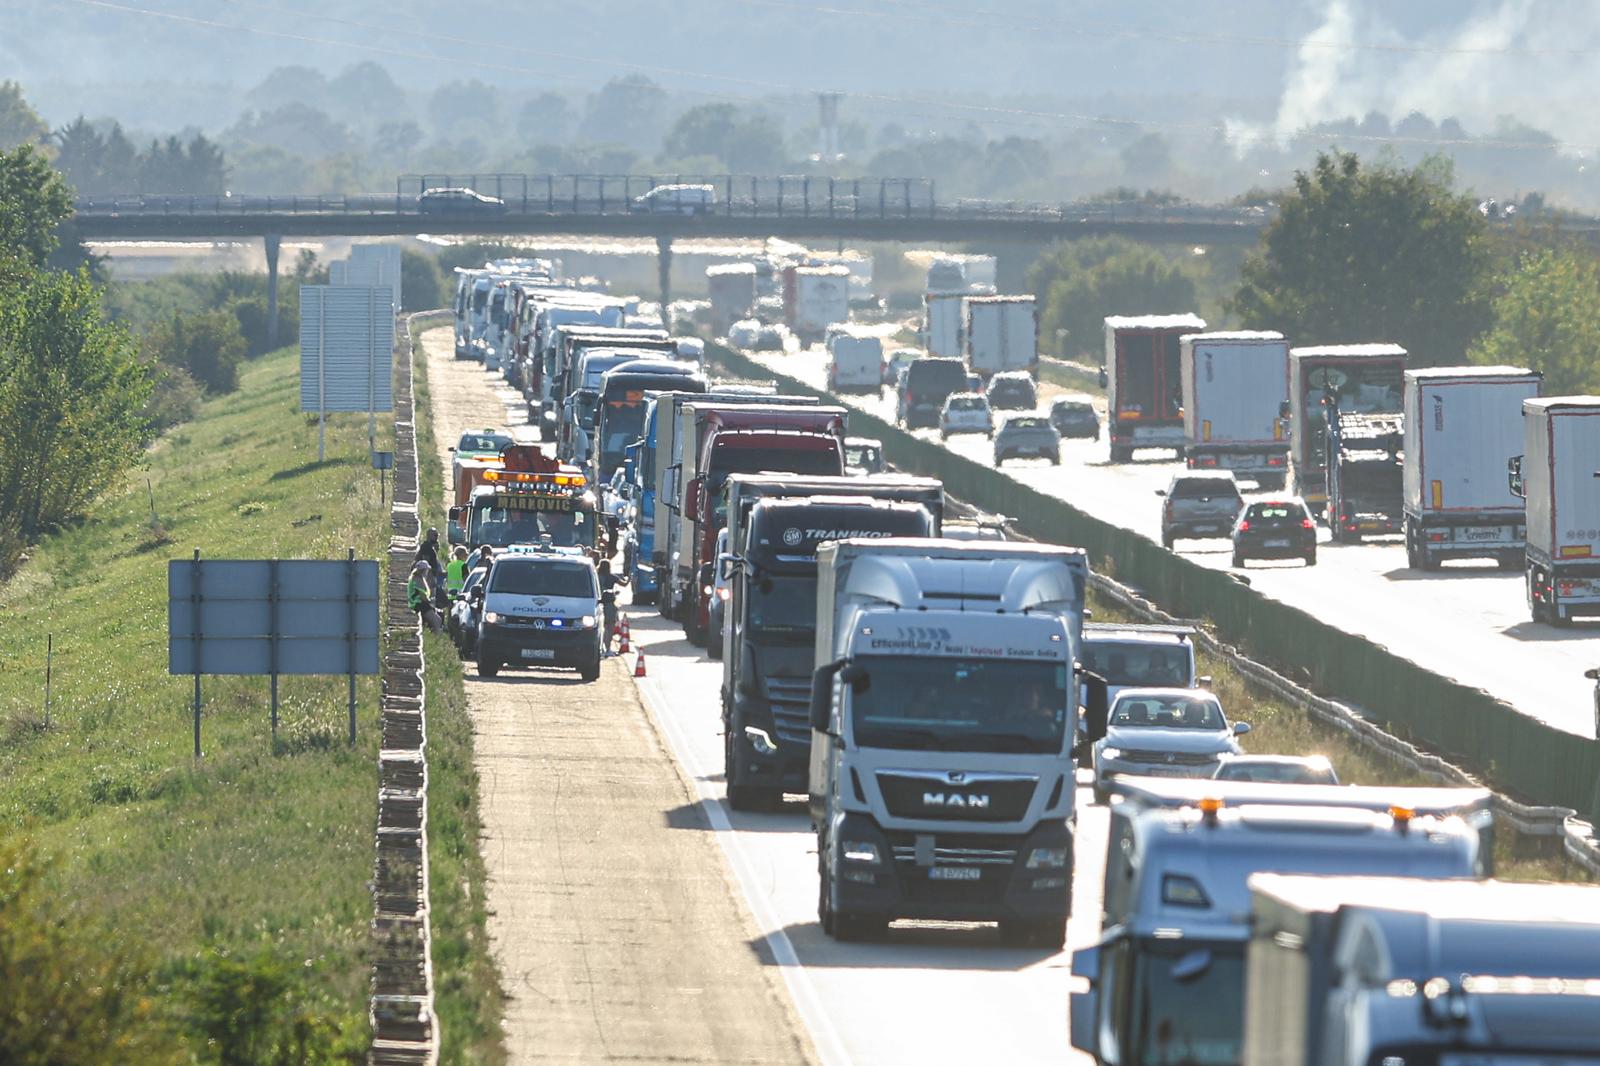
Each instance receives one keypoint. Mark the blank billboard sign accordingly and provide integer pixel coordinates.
(346, 348)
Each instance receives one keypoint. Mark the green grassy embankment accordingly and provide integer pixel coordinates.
(469, 998)
(256, 848)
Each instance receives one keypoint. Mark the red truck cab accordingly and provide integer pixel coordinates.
(805, 440)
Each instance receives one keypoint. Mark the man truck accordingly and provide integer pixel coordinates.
(1144, 385)
(1236, 405)
(1462, 425)
(943, 712)
(1556, 474)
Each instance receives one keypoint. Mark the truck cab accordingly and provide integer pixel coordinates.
(942, 717)
(529, 500)
(1353, 971)
(772, 610)
(1169, 968)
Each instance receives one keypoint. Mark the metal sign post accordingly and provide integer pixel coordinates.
(195, 599)
(382, 461)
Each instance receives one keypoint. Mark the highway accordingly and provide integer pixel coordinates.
(928, 993)
(1467, 621)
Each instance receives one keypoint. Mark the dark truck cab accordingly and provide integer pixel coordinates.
(807, 440)
(768, 657)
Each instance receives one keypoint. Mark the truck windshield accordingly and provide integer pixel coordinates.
(783, 607)
(501, 528)
(1188, 1007)
(621, 422)
(932, 702)
(1137, 664)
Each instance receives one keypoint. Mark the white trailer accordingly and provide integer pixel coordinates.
(732, 287)
(1235, 404)
(1556, 474)
(814, 298)
(855, 362)
(1462, 425)
(943, 320)
(1002, 333)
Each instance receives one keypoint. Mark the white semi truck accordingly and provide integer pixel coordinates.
(1236, 404)
(1556, 475)
(1462, 425)
(943, 713)
(942, 323)
(1001, 333)
(814, 298)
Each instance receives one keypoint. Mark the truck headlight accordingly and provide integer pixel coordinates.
(760, 740)
(1047, 859)
(1111, 753)
(491, 618)
(860, 851)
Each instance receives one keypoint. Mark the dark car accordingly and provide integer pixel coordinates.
(1199, 506)
(1025, 437)
(1012, 391)
(1075, 417)
(1275, 529)
(458, 202)
(924, 387)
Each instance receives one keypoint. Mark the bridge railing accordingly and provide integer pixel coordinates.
(803, 196)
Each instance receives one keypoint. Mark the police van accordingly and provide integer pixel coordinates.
(541, 608)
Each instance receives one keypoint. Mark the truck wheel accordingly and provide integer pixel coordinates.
(646, 598)
(1167, 540)
(1120, 455)
(488, 668)
(857, 928)
(824, 912)
(1511, 561)
(1311, 557)
(691, 626)
(1043, 933)
(714, 645)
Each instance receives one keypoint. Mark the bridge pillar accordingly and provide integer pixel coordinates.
(273, 242)
(664, 273)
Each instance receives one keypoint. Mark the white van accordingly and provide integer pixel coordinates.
(677, 200)
(540, 608)
(855, 362)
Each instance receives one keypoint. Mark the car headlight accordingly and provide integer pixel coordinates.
(586, 622)
(1111, 753)
(1047, 859)
(860, 851)
(491, 618)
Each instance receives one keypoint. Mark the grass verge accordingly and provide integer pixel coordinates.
(468, 996)
(261, 852)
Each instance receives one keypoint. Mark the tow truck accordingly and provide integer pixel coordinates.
(529, 499)
(1366, 492)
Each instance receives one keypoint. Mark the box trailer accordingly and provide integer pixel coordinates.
(1556, 475)
(1002, 333)
(1462, 425)
(943, 320)
(732, 289)
(1144, 390)
(814, 298)
(1236, 404)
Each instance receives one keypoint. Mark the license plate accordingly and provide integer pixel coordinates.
(1275, 543)
(1494, 533)
(1205, 529)
(954, 873)
(538, 653)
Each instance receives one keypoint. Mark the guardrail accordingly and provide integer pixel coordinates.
(405, 1029)
(1398, 698)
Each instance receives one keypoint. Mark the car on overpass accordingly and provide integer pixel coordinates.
(676, 200)
(458, 201)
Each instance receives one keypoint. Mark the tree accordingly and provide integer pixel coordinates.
(365, 91)
(34, 200)
(545, 119)
(462, 103)
(1082, 282)
(208, 344)
(746, 145)
(1548, 318)
(1376, 254)
(19, 122)
(421, 281)
(625, 111)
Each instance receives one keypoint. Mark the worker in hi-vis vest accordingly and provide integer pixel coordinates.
(455, 572)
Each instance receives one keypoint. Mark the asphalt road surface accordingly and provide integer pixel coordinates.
(1467, 621)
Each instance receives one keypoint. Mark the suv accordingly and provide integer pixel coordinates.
(540, 609)
(965, 412)
(923, 388)
(1027, 436)
(1012, 390)
(1199, 506)
(1275, 529)
(1075, 416)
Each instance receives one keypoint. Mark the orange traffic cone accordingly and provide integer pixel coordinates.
(625, 647)
(638, 666)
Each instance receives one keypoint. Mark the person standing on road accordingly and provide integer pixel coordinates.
(419, 597)
(608, 599)
(428, 553)
(455, 572)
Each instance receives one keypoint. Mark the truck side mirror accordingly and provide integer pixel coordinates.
(1101, 378)
(1284, 410)
(821, 712)
(1161, 492)
(1514, 477)
(1081, 1006)
(726, 564)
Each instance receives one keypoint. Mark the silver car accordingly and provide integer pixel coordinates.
(1027, 437)
(1164, 732)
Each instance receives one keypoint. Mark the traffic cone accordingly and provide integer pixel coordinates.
(625, 647)
(638, 666)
